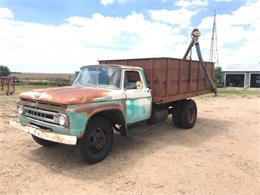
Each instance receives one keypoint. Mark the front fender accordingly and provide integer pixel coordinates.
(80, 115)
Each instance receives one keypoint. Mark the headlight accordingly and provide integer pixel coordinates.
(62, 120)
(20, 110)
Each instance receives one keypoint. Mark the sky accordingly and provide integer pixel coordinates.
(63, 35)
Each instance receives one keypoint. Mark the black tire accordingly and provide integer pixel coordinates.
(188, 114)
(97, 141)
(176, 114)
(43, 142)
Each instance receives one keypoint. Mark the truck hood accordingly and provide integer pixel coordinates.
(66, 95)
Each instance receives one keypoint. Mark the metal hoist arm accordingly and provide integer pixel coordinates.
(195, 41)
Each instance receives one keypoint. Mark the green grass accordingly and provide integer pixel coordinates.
(239, 91)
(235, 92)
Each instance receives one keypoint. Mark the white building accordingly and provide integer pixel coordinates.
(241, 75)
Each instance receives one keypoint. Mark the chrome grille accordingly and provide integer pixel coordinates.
(41, 115)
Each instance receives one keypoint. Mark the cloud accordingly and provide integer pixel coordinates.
(6, 13)
(191, 3)
(108, 2)
(223, 0)
(33, 47)
(173, 16)
(238, 34)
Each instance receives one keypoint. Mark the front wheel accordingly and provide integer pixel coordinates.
(97, 141)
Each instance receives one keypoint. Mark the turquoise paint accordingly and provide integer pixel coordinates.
(55, 128)
(24, 120)
(137, 111)
(77, 123)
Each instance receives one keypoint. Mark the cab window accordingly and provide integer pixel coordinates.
(132, 80)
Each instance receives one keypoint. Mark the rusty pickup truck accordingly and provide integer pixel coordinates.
(111, 97)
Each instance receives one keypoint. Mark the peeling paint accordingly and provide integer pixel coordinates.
(45, 134)
(77, 123)
(66, 95)
(138, 109)
(55, 128)
(82, 103)
(91, 109)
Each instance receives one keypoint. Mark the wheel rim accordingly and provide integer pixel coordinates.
(191, 115)
(97, 141)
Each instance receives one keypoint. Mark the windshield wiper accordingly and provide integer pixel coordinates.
(91, 85)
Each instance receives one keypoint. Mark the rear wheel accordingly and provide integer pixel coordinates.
(97, 141)
(43, 142)
(176, 114)
(188, 114)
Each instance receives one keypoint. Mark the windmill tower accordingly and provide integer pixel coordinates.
(213, 54)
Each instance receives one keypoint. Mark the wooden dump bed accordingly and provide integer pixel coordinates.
(171, 79)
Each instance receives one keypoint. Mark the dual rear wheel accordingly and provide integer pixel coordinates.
(184, 114)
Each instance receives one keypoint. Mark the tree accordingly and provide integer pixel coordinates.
(4, 71)
(218, 79)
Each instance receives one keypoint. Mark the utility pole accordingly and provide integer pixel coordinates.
(213, 54)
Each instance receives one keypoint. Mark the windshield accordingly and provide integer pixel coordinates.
(98, 76)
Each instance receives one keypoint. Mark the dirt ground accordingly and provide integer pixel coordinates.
(220, 155)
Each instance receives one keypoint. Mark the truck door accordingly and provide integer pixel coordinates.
(138, 97)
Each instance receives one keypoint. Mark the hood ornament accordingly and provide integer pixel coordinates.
(36, 95)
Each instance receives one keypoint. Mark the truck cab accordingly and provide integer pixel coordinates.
(102, 99)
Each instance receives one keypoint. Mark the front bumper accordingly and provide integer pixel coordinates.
(44, 134)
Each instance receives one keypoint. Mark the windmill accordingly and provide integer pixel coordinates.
(213, 54)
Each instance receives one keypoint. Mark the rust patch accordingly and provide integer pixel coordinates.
(94, 108)
(65, 95)
(171, 79)
(91, 109)
(36, 104)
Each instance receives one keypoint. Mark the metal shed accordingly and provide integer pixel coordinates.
(241, 75)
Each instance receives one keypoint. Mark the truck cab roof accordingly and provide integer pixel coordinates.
(115, 65)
